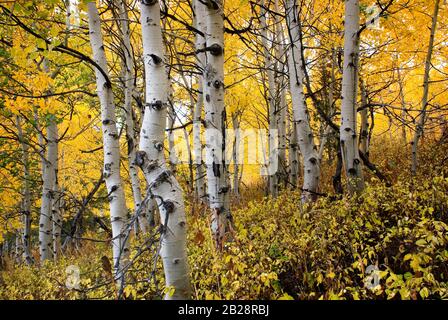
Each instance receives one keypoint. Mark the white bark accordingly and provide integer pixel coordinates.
(215, 118)
(269, 66)
(293, 155)
(141, 221)
(26, 201)
(111, 146)
(52, 165)
(57, 217)
(171, 144)
(281, 96)
(348, 130)
(163, 186)
(200, 44)
(48, 193)
(305, 139)
(422, 117)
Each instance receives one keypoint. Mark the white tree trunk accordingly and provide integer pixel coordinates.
(48, 193)
(111, 147)
(422, 117)
(200, 44)
(281, 95)
(215, 118)
(163, 186)
(293, 155)
(348, 129)
(269, 66)
(305, 139)
(171, 143)
(26, 201)
(57, 217)
(141, 222)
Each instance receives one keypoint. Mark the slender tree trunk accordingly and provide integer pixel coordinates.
(141, 222)
(293, 154)
(48, 193)
(328, 130)
(364, 130)
(422, 117)
(236, 147)
(403, 106)
(215, 118)
(111, 147)
(200, 44)
(163, 186)
(348, 130)
(190, 159)
(26, 201)
(171, 145)
(57, 218)
(281, 96)
(311, 172)
(269, 66)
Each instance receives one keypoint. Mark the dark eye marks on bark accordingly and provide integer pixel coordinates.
(216, 169)
(155, 105)
(149, 2)
(216, 49)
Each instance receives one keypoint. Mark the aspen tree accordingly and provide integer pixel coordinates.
(200, 44)
(141, 221)
(111, 147)
(26, 201)
(162, 185)
(215, 121)
(269, 66)
(48, 193)
(305, 138)
(422, 116)
(348, 130)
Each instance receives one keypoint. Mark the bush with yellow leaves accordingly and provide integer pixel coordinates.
(281, 250)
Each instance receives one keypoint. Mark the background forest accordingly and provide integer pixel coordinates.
(223, 149)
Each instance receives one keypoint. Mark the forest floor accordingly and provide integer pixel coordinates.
(387, 243)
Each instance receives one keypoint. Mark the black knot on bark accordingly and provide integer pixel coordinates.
(313, 160)
(168, 206)
(216, 84)
(207, 97)
(114, 188)
(106, 122)
(159, 146)
(224, 189)
(140, 158)
(156, 105)
(107, 168)
(216, 171)
(155, 58)
(149, 2)
(216, 50)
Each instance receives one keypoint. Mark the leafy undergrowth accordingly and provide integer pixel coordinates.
(283, 251)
